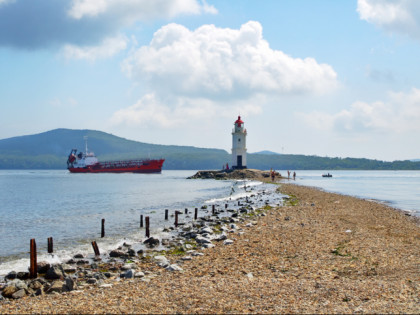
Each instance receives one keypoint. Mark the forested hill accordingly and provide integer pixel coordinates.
(49, 150)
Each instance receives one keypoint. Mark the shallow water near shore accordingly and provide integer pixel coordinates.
(69, 207)
(399, 189)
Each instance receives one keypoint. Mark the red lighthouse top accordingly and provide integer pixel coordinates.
(239, 122)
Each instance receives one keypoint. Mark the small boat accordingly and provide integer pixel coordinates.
(327, 175)
(86, 162)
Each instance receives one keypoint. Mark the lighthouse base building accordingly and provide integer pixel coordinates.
(239, 145)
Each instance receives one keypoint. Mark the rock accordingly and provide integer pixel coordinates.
(233, 226)
(151, 242)
(19, 294)
(19, 284)
(22, 275)
(206, 230)
(105, 285)
(202, 240)
(35, 285)
(131, 252)
(128, 274)
(127, 266)
(116, 253)
(11, 275)
(186, 258)
(9, 291)
(91, 281)
(162, 261)
(228, 242)
(221, 237)
(208, 245)
(139, 274)
(197, 254)
(69, 285)
(173, 267)
(69, 269)
(56, 286)
(39, 291)
(55, 272)
(82, 262)
(42, 267)
(77, 256)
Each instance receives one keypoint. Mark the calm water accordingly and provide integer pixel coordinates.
(69, 207)
(400, 189)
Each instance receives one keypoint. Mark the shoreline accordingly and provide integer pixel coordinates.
(352, 255)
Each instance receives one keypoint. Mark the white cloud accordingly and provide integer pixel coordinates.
(400, 113)
(399, 16)
(217, 62)
(108, 48)
(132, 10)
(151, 111)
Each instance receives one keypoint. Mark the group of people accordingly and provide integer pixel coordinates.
(273, 175)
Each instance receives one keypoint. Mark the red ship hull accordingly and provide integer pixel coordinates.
(131, 166)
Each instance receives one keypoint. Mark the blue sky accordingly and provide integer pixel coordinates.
(328, 78)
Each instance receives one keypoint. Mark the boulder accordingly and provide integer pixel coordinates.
(128, 274)
(151, 242)
(9, 291)
(11, 275)
(68, 285)
(116, 253)
(162, 261)
(42, 267)
(19, 294)
(55, 272)
(23, 275)
(173, 267)
(228, 242)
(202, 240)
(56, 286)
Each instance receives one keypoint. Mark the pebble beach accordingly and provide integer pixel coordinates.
(318, 253)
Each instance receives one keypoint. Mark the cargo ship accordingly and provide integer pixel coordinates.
(86, 162)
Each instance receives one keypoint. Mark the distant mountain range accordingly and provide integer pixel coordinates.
(266, 152)
(49, 150)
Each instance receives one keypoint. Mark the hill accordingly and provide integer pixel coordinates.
(49, 150)
(266, 152)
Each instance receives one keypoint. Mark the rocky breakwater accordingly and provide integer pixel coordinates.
(167, 254)
(233, 174)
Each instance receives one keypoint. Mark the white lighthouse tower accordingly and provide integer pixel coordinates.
(239, 145)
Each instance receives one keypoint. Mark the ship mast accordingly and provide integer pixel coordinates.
(86, 148)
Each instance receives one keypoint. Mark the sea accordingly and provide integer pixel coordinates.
(38, 204)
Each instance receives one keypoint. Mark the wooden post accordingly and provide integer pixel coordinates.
(50, 245)
(213, 208)
(33, 271)
(226, 205)
(103, 228)
(195, 213)
(176, 218)
(141, 220)
(147, 227)
(166, 214)
(186, 210)
(96, 248)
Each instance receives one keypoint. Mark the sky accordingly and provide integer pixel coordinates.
(314, 77)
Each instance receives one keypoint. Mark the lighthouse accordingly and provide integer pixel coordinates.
(239, 145)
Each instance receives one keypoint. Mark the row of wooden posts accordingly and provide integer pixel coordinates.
(33, 254)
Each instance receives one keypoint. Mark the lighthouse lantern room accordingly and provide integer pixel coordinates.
(239, 145)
